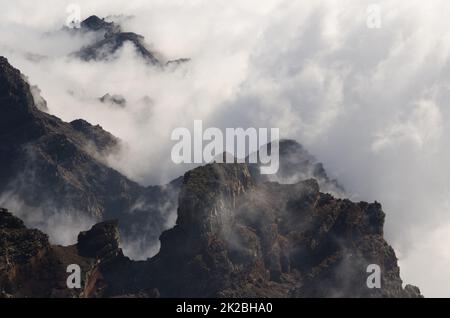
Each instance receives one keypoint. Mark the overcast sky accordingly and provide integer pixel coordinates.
(371, 103)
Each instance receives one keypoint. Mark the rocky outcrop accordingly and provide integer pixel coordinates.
(112, 39)
(59, 167)
(239, 238)
(22, 253)
(114, 100)
(103, 141)
(31, 267)
(102, 241)
(177, 62)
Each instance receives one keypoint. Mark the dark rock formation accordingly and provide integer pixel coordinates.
(297, 164)
(101, 241)
(106, 48)
(94, 23)
(31, 267)
(113, 40)
(177, 62)
(39, 101)
(115, 100)
(22, 254)
(102, 140)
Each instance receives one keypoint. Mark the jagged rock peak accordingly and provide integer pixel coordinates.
(95, 23)
(207, 190)
(114, 39)
(20, 250)
(102, 241)
(16, 100)
(297, 164)
(116, 100)
(239, 238)
(8, 221)
(11, 79)
(14, 89)
(103, 140)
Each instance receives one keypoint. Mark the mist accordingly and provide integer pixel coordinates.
(369, 103)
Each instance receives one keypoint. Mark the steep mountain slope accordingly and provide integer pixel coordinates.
(58, 167)
(239, 238)
(111, 38)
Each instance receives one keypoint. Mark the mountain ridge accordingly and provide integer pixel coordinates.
(112, 38)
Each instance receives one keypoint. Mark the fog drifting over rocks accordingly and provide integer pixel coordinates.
(369, 103)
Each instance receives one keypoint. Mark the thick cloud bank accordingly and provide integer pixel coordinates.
(371, 103)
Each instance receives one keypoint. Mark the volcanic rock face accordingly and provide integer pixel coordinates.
(31, 267)
(60, 168)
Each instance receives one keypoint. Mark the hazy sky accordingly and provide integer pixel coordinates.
(371, 103)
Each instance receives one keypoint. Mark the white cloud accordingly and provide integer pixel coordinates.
(422, 128)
